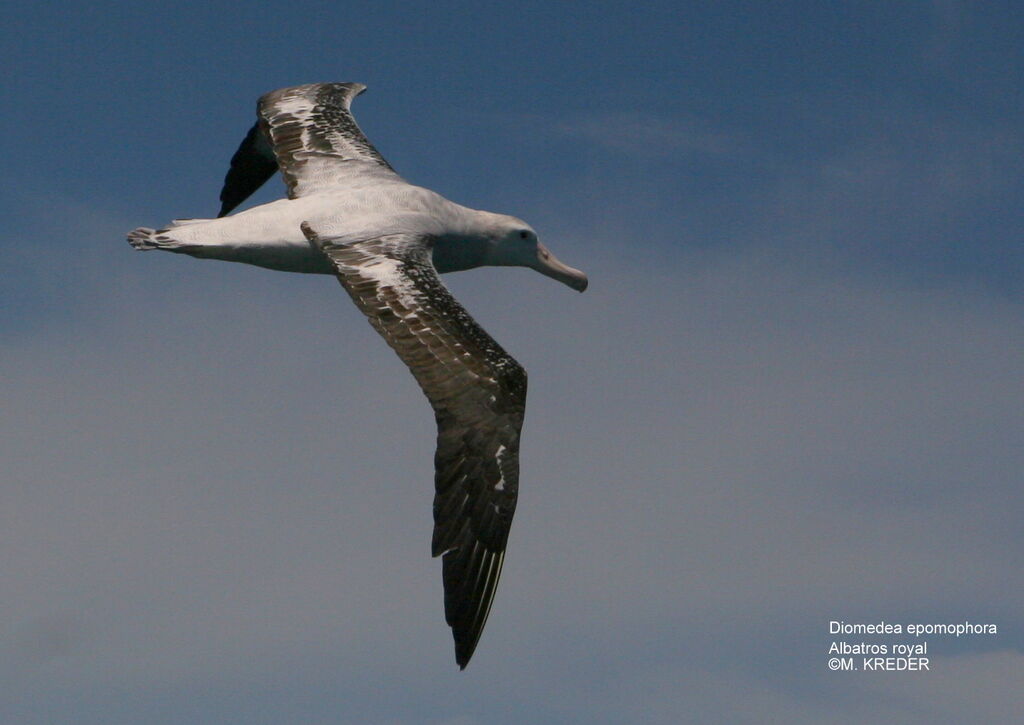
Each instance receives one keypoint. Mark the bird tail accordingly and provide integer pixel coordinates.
(145, 238)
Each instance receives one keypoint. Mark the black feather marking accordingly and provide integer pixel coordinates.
(251, 166)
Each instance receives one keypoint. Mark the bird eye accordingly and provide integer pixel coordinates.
(524, 235)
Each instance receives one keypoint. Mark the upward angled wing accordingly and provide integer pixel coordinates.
(253, 163)
(315, 138)
(309, 133)
(478, 393)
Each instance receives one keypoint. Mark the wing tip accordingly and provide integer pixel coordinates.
(464, 652)
(349, 91)
(468, 631)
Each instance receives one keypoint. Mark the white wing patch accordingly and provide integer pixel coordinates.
(500, 456)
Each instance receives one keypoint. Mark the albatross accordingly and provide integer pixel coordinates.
(348, 213)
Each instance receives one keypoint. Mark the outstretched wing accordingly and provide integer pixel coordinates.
(478, 393)
(309, 133)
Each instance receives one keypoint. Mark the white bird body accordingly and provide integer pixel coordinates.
(270, 236)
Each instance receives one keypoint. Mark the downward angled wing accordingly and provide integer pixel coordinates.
(478, 393)
(309, 133)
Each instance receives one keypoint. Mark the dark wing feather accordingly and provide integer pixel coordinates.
(478, 393)
(253, 163)
(315, 138)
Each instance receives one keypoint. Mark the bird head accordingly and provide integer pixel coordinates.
(515, 243)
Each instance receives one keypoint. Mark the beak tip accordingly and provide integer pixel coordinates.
(550, 266)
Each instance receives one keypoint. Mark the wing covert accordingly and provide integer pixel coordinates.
(315, 138)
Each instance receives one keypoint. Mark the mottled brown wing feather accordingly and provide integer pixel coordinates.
(315, 138)
(478, 393)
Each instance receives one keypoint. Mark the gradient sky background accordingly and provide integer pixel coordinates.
(791, 394)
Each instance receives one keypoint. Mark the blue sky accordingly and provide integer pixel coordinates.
(791, 394)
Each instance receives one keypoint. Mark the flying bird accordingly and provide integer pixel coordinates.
(348, 213)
